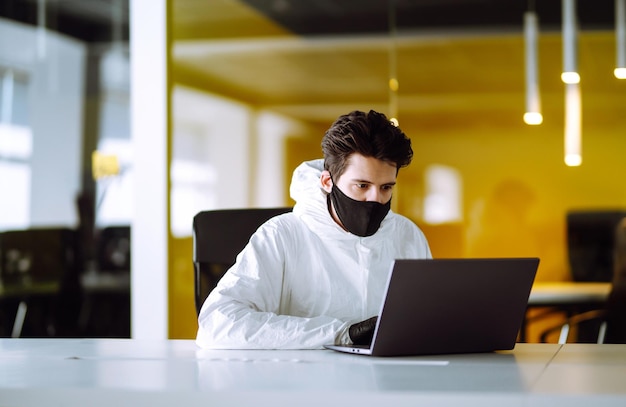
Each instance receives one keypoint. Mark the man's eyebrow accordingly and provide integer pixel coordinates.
(361, 181)
(364, 181)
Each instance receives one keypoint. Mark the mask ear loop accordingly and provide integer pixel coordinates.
(331, 180)
(329, 202)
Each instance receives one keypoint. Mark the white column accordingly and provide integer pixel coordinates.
(149, 132)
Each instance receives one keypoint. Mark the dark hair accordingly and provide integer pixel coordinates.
(369, 134)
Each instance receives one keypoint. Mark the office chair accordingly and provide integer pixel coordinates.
(113, 249)
(611, 319)
(218, 236)
(590, 245)
(590, 242)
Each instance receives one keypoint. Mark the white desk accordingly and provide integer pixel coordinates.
(584, 375)
(117, 372)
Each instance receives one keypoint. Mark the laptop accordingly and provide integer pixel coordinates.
(446, 306)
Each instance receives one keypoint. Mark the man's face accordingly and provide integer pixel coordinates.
(365, 179)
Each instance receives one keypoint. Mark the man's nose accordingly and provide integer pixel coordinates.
(374, 195)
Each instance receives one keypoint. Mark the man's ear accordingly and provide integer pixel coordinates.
(326, 181)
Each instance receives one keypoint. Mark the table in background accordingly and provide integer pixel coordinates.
(98, 289)
(120, 372)
(567, 297)
(22, 294)
(568, 293)
(105, 311)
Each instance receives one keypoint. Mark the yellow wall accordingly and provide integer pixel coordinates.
(518, 173)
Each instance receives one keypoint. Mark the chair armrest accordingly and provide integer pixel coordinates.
(575, 320)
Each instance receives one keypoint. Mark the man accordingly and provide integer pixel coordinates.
(317, 275)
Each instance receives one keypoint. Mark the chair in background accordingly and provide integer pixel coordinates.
(113, 249)
(612, 319)
(616, 303)
(39, 276)
(590, 243)
(218, 236)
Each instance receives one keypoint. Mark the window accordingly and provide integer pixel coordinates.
(443, 201)
(16, 146)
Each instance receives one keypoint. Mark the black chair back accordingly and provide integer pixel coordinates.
(616, 303)
(113, 249)
(218, 237)
(590, 242)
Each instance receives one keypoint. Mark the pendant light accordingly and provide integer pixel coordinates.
(393, 83)
(41, 29)
(533, 114)
(573, 125)
(620, 39)
(570, 42)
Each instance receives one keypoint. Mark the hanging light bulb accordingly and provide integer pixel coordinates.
(620, 39)
(533, 114)
(393, 83)
(393, 100)
(570, 42)
(573, 125)
(41, 29)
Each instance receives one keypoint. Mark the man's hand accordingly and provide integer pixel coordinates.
(362, 332)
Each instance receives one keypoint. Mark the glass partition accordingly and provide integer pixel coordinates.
(64, 99)
(256, 83)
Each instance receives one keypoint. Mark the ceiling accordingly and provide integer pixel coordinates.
(87, 20)
(315, 59)
(312, 17)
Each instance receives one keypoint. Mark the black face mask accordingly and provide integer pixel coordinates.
(362, 218)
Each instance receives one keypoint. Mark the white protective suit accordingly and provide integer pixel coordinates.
(302, 280)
